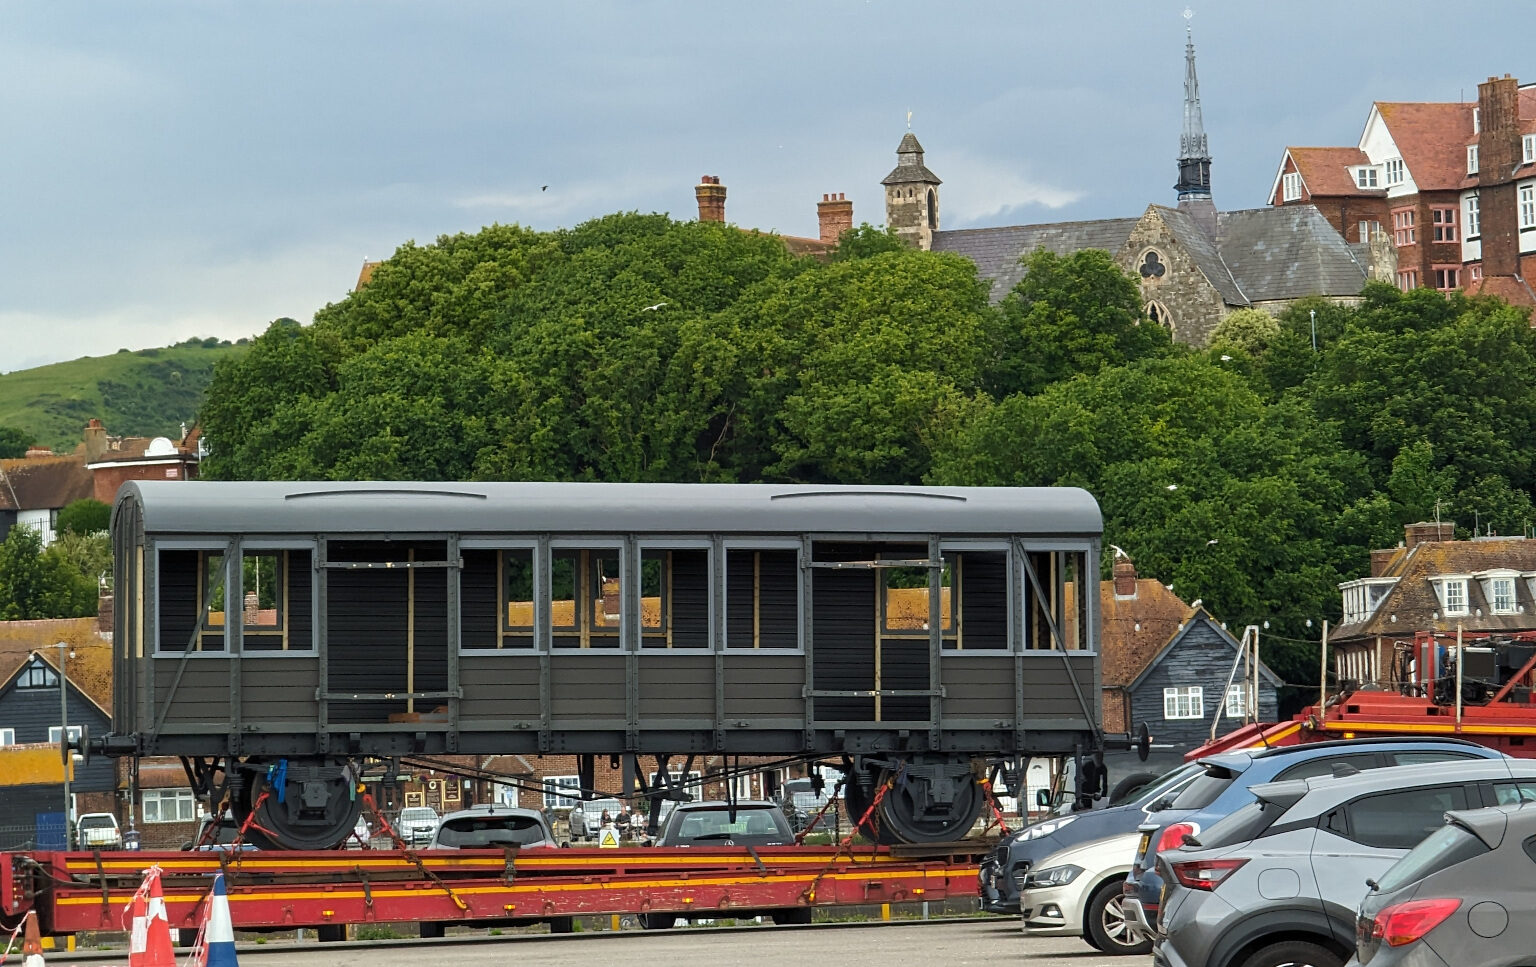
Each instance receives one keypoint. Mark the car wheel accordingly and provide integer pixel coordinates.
(658, 921)
(1109, 928)
(1130, 784)
(1294, 953)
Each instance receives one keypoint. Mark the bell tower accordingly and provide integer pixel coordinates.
(912, 196)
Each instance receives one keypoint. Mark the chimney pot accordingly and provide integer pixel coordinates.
(711, 197)
(1125, 579)
(835, 215)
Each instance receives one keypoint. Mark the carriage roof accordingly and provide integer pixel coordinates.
(397, 508)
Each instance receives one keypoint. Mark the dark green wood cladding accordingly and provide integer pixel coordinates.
(777, 599)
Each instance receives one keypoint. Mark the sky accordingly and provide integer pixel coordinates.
(200, 168)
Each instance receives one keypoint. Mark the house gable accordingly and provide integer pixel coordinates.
(1176, 265)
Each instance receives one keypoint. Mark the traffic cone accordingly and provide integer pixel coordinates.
(158, 950)
(138, 934)
(219, 930)
(32, 946)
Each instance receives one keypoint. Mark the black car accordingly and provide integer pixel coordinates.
(1004, 868)
(718, 823)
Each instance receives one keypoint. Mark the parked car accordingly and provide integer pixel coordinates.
(1279, 881)
(586, 818)
(417, 825)
(1076, 893)
(219, 840)
(1463, 896)
(1228, 782)
(494, 827)
(1002, 871)
(803, 806)
(99, 831)
(711, 823)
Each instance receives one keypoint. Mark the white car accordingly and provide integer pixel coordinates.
(99, 831)
(1077, 893)
(417, 825)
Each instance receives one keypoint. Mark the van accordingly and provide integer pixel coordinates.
(99, 831)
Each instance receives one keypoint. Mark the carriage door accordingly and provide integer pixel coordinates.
(869, 627)
(387, 631)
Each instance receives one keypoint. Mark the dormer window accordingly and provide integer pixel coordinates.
(1396, 173)
(1499, 589)
(1290, 186)
(37, 675)
(1452, 591)
(1471, 159)
(1366, 177)
(1362, 597)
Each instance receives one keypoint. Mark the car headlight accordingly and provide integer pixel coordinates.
(1051, 876)
(1046, 828)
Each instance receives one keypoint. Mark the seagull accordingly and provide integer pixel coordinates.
(1119, 552)
(545, 188)
(1210, 542)
(1225, 358)
(1173, 486)
(653, 308)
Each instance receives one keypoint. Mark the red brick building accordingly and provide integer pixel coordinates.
(1452, 187)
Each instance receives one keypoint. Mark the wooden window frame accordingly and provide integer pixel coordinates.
(584, 630)
(664, 629)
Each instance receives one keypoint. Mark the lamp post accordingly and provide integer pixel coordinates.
(63, 648)
(1313, 314)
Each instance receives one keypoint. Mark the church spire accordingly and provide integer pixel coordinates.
(1194, 152)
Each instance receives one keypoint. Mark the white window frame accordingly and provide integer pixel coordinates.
(550, 786)
(75, 731)
(1453, 597)
(1471, 159)
(1290, 186)
(1237, 700)
(7, 736)
(153, 803)
(1502, 589)
(1528, 149)
(1528, 206)
(1395, 171)
(1366, 176)
(1184, 702)
(1473, 218)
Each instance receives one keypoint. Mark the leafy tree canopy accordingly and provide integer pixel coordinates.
(38, 584)
(13, 442)
(85, 516)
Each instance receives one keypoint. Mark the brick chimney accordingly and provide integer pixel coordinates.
(104, 611)
(1125, 578)
(1498, 154)
(711, 195)
(1380, 559)
(835, 213)
(95, 440)
(1425, 532)
(252, 608)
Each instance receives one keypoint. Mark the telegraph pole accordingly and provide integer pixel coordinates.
(63, 648)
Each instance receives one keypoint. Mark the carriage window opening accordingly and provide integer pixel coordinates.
(762, 598)
(674, 598)
(517, 589)
(1056, 606)
(585, 597)
(906, 599)
(261, 574)
(1076, 588)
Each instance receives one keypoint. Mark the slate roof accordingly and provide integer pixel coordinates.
(1413, 600)
(907, 172)
(43, 483)
(996, 251)
(1287, 253)
(1323, 170)
(1202, 248)
(1195, 616)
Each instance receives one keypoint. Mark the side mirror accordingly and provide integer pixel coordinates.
(1043, 798)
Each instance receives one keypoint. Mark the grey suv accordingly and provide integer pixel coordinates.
(1279, 881)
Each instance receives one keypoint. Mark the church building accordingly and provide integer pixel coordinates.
(1196, 264)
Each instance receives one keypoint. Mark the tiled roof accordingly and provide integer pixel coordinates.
(1414, 604)
(1133, 630)
(997, 251)
(1432, 139)
(91, 668)
(43, 483)
(1202, 248)
(1287, 253)
(800, 245)
(1516, 292)
(1323, 170)
(365, 275)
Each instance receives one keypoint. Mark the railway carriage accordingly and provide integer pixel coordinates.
(274, 634)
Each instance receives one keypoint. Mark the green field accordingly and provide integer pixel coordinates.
(146, 393)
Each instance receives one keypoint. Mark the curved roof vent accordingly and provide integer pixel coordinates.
(160, 447)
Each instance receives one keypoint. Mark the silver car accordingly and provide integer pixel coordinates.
(1463, 896)
(494, 827)
(1279, 881)
(1076, 893)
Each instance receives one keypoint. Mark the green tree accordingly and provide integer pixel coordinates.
(1069, 315)
(865, 242)
(35, 585)
(1245, 330)
(84, 516)
(89, 553)
(14, 442)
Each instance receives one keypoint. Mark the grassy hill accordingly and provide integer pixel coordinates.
(145, 393)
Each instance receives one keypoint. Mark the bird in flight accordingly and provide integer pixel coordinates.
(545, 188)
(1119, 552)
(1210, 542)
(653, 308)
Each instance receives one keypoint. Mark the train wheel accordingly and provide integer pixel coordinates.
(910, 814)
(301, 806)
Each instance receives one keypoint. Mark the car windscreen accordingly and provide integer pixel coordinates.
(1245, 825)
(490, 832)
(414, 815)
(1445, 847)
(97, 822)
(1157, 788)
(704, 825)
(1204, 790)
